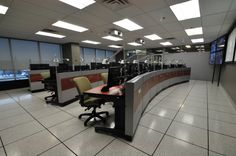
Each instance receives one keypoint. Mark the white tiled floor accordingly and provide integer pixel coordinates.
(190, 119)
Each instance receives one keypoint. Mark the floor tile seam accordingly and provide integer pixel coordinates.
(65, 111)
(208, 122)
(17, 125)
(4, 149)
(161, 99)
(173, 119)
(222, 112)
(25, 137)
(46, 128)
(50, 114)
(10, 108)
(230, 136)
(232, 123)
(158, 116)
(133, 147)
(50, 149)
(13, 116)
(105, 146)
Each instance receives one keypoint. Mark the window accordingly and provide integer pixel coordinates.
(82, 56)
(24, 53)
(49, 52)
(6, 68)
(100, 55)
(89, 55)
(109, 54)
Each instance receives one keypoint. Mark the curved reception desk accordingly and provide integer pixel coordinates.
(141, 89)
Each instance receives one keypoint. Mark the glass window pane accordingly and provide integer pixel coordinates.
(100, 55)
(82, 55)
(89, 55)
(49, 52)
(109, 54)
(24, 53)
(6, 67)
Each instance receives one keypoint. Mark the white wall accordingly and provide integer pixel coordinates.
(199, 63)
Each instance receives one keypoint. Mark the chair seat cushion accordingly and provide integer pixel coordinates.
(92, 101)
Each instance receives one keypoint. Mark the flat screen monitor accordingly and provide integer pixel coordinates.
(230, 50)
(213, 46)
(114, 76)
(219, 57)
(39, 66)
(221, 43)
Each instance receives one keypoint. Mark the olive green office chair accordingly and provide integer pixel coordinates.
(82, 85)
(104, 77)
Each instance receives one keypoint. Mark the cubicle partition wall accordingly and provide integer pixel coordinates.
(66, 90)
(141, 89)
(35, 80)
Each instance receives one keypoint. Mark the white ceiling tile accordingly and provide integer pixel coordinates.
(211, 31)
(91, 19)
(53, 5)
(36, 10)
(233, 5)
(196, 22)
(163, 16)
(102, 12)
(172, 2)
(130, 11)
(225, 29)
(211, 20)
(172, 27)
(149, 5)
(230, 17)
(144, 20)
(208, 7)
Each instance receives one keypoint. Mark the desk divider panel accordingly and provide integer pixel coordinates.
(65, 86)
(141, 89)
(35, 80)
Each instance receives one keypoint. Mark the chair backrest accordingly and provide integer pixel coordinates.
(82, 83)
(45, 75)
(104, 77)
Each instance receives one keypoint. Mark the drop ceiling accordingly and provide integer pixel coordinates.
(25, 17)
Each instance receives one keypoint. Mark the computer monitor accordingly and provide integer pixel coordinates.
(114, 74)
(39, 66)
(114, 78)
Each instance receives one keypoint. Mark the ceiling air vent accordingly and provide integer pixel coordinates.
(119, 2)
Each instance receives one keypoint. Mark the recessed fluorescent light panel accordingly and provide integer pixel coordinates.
(128, 24)
(134, 44)
(186, 10)
(115, 46)
(80, 4)
(194, 31)
(69, 26)
(44, 33)
(113, 38)
(197, 40)
(91, 42)
(166, 43)
(188, 46)
(153, 37)
(3, 9)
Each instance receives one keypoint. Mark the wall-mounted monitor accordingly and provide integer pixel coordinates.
(212, 52)
(230, 50)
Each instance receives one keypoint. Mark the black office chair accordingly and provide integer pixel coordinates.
(49, 81)
(82, 85)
